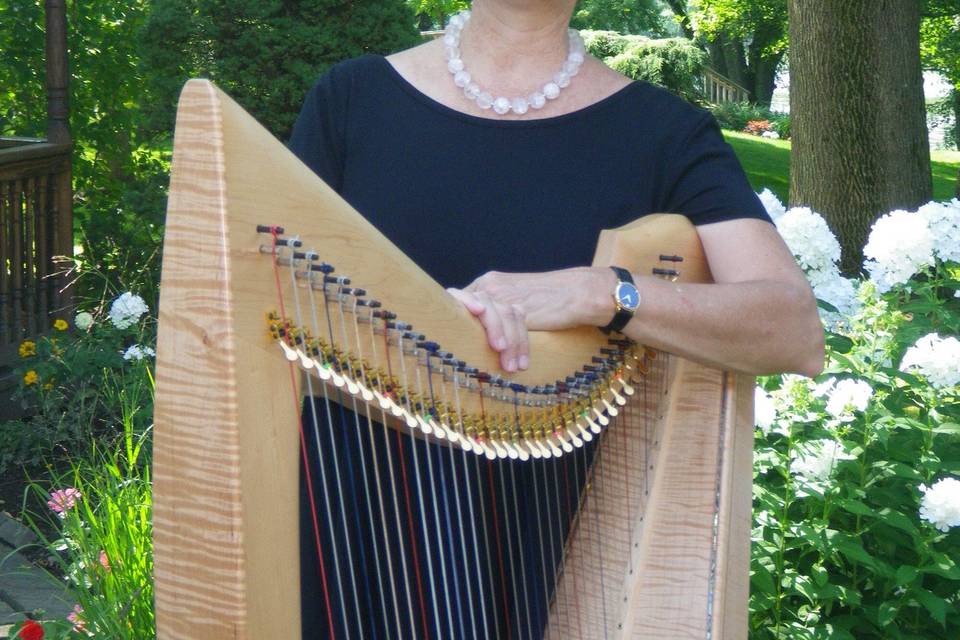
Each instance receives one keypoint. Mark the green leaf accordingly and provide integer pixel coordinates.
(886, 613)
(854, 551)
(933, 603)
(949, 428)
(839, 343)
(905, 575)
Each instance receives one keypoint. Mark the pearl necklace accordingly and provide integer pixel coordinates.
(502, 104)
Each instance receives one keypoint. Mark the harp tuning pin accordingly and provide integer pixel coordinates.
(270, 228)
(670, 274)
(338, 280)
(323, 267)
(670, 258)
(288, 352)
(611, 410)
(602, 419)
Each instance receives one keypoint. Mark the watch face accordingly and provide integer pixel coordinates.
(627, 296)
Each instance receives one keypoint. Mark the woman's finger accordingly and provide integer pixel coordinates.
(469, 300)
(515, 331)
(492, 323)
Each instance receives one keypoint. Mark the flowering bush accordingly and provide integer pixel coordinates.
(102, 539)
(73, 382)
(757, 127)
(857, 473)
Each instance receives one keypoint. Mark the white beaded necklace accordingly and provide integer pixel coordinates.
(502, 104)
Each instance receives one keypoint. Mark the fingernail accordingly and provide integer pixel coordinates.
(524, 362)
(500, 343)
(512, 364)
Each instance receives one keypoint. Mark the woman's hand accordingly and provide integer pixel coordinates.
(510, 304)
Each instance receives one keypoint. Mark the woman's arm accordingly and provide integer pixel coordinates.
(758, 317)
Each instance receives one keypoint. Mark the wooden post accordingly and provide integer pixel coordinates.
(58, 131)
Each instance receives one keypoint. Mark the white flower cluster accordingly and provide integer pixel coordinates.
(764, 412)
(816, 460)
(817, 251)
(845, 397)
(811, 241)
(940, 505)
(772, 204)
(935, 358)
(943, 219)
(138, 352)
(126, 310)
(83, 321)
(900, 245)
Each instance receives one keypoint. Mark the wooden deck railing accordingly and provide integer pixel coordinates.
(718, 89)
(36, 225)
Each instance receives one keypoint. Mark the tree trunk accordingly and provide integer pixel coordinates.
(860, 145)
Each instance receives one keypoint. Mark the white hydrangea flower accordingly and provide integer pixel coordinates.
(940, 505)
(824, 387)
(811, 241)
(83, 321)
(838, 291)
(763, 410)
(773, 135)
(900, 245)
(935, 358)
(138, 352)
(127, 309)
(816, 460)
(848, 396)
(772, 204)
(943, 220)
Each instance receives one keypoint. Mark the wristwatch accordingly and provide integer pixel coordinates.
(626, 298)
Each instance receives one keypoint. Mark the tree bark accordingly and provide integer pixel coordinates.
(860, 146)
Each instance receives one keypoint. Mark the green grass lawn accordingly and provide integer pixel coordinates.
(767, 163)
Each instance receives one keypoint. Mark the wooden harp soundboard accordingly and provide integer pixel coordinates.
(669, 511)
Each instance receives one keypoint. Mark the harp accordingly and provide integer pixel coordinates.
(649, 538)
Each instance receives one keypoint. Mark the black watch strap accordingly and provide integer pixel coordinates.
(622, 316)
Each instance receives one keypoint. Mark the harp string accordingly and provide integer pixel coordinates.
(406, 490)
(437, 430)
(430, 409)
(377, 475)
(417, 469)
(321, 459)
(456, 496)
(303, 443)
(339, 296)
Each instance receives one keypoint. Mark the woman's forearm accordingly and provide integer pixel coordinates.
(756, 327)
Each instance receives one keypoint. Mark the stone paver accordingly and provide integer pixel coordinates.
(23, 586)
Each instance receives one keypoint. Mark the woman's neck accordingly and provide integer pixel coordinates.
(511, 45)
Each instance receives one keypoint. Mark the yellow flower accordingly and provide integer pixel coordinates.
(60, 325)
(27, 348)
(48, 386)
(30, 377)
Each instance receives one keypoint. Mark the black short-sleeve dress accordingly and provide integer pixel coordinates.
(462, 195)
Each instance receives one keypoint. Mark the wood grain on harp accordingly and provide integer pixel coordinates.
(258, 278)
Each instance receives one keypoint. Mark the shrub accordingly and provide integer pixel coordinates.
(101, 513)
(673, 63)
(856, 497)
(266, 54)
(738, 115)
(77, 383)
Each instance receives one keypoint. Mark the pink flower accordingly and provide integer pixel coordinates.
(62, 500)
(104, 561)
(79, 624)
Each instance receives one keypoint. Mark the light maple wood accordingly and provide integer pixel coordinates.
(226, 443)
